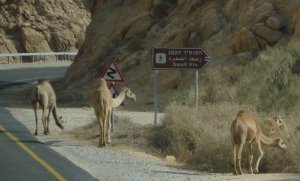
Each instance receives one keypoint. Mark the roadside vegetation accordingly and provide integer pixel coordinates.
(266, 86)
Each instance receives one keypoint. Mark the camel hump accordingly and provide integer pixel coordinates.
(43, 88)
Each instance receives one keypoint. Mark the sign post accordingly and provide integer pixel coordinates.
(178, 58)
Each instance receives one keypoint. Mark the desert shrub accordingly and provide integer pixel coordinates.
(199, 139)
(204, 141)
(178, 133)
(269, 82)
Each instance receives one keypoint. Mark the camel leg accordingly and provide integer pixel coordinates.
(104, 128)
(239, 156)
(234, 159)
(108, 130)
(100, 131)
(48, 118)
(44, 120)
(250, 158)
(44, 105)
(261, 154)
(35, 109)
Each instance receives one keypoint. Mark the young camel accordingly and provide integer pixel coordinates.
(276, 124)
(244, 129)
(103, 103)
(43, 95)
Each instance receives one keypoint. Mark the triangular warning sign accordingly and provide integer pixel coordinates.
(112, 72)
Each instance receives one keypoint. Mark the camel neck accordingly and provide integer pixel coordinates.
(119, 99)
(267, 140)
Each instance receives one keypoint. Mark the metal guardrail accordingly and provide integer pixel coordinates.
(39, 56)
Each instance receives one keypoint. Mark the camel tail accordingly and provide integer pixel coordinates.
(57, 119)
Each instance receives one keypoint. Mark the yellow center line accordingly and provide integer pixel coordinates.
(57, 175)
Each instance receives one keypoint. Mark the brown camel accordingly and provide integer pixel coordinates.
(102, 101)
(43, 95)
(244, 129)
(276, 124)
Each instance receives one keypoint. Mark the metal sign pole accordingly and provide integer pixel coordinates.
(112, 115)
(197, 89)
(155, 96)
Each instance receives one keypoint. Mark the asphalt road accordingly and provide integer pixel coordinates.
(15, 77)
(22, 156)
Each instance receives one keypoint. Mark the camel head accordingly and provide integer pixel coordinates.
(59, 122)
(128, 93)
(280, 143)
(279, 121)
(281, 124)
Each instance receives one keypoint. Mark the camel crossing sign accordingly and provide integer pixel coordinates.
(112, 72)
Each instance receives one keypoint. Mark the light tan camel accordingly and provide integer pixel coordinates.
(244, 129)
(44, 96)
(276, 124)
(103, 103)
(125, 93)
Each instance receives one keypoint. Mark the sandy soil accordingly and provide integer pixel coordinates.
(119, 161)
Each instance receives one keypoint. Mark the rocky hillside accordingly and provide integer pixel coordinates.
(231, 31)
(42, 25)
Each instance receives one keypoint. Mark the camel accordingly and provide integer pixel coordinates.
(116, 102)
(244, 129)
(44, 96)
(103, 102)
(276, 124)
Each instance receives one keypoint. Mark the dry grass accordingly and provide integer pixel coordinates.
(205, 143)
(125, 134)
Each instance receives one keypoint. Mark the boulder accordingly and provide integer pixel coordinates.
(262, 43)
(268, 34)
(33, 41)
(273, 23)
(244, 41)
(211, 22)
(256, 15)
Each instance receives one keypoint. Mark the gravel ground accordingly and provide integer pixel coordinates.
(117, 163)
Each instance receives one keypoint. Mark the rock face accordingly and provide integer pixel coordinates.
(41, 26)
(230, 31)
